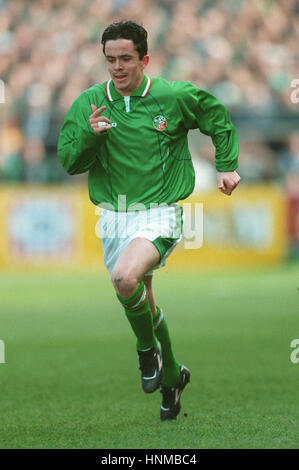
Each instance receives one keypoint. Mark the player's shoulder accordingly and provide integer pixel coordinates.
(174, 88)
(94, 92)
(92, 95)
(159, 84)
(181, 87)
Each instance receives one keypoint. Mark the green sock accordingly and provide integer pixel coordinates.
(171, 368)
(139, 314)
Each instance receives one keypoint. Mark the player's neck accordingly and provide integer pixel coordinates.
(128, 91)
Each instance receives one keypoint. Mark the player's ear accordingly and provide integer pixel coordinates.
(145, 61)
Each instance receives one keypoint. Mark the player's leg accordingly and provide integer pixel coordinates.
(139, 257)
(127, 276)
(171, 368)
(175, 377)
(148, 281)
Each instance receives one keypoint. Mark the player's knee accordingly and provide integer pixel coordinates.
(125, 283)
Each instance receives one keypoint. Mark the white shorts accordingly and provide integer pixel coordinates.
(163, 226)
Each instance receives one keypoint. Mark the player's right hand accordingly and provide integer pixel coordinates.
(95, 117)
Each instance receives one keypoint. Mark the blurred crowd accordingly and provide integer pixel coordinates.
(245, 53)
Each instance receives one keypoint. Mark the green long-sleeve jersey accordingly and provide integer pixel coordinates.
(145, 155)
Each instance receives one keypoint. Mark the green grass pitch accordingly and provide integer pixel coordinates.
(71, 377)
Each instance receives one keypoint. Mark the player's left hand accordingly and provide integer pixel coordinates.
(228, 181)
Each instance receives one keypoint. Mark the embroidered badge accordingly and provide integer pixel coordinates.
(160, 123)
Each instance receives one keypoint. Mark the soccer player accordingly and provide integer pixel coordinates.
(130, 134)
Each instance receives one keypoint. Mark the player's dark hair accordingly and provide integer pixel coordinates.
(127, 29)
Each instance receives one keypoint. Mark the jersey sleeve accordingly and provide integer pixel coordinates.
(202, 110)
(78, 144)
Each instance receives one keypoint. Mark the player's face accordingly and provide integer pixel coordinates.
(124, 65)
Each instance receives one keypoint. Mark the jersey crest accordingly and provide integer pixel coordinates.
(160, 123)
